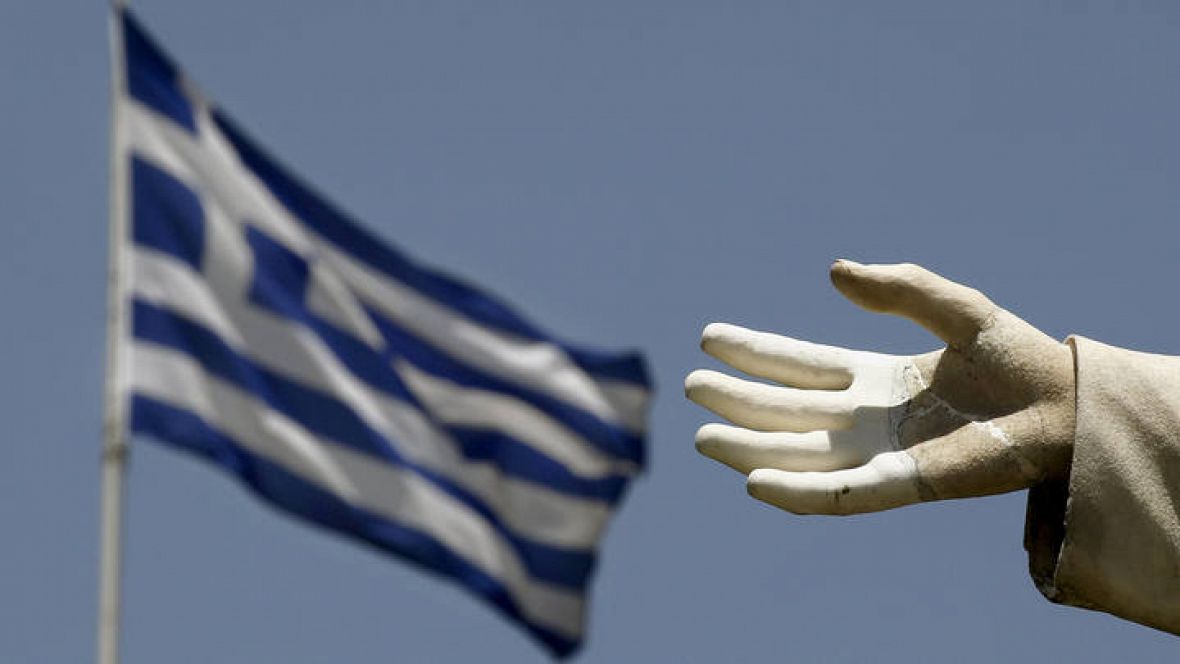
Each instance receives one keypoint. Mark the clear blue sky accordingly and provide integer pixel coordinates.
(625, 172)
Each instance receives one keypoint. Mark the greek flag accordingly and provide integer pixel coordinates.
(338, 379)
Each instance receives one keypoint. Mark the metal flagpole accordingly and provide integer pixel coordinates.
(115, 444)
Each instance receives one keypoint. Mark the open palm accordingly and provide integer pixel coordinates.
(844, 431)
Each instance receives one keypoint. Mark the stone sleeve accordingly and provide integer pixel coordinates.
(1109, 538)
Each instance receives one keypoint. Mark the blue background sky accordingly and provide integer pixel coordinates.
(625, 172)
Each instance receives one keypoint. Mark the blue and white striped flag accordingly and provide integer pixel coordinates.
(341, 381)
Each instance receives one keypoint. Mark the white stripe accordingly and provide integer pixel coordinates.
(532, 510)
(455, 404)
(537, 365)
(630, 402)
(329, 298)
(395, 494)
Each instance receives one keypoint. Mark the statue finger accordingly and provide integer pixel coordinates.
(769, 407)
(952, 311)
(782, 359)
(980, 458)
(889, 480)
(745, 450)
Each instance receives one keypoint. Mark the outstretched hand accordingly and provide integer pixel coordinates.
(846, 431)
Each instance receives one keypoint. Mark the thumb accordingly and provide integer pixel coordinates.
(952, 311)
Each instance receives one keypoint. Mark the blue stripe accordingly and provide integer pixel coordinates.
(280, 276)
(165, 214)
(152, 77)
(525, 462)
(477, 305)
(627, 367)
(333, 419)
(295, 495)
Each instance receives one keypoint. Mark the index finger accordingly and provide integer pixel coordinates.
(783, 359)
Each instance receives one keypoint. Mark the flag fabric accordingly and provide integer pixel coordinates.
(343, 382)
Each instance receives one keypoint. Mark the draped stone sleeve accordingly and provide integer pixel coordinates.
(1108, 538)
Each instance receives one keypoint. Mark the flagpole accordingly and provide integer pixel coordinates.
(115, 445)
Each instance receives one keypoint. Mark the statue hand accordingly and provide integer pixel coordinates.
(851, 431)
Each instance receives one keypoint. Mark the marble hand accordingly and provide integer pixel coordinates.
(840, 431)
